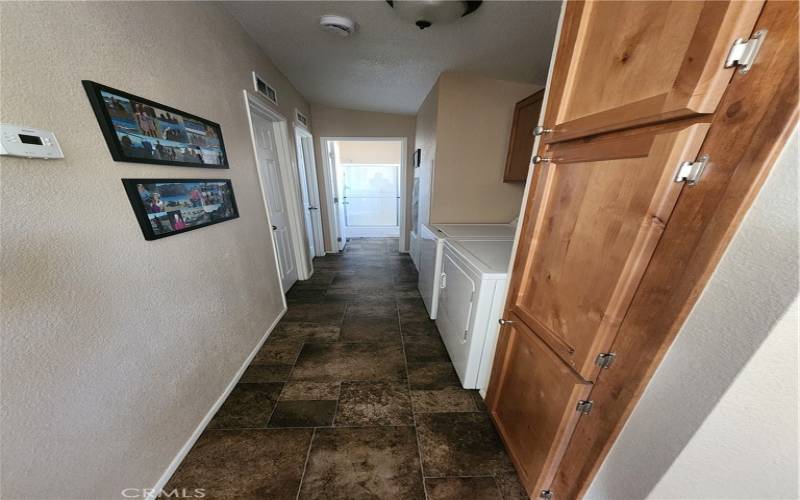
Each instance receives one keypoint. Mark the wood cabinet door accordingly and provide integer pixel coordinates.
(520, 144)
(622, 64)
(591, 226)
(535, 408)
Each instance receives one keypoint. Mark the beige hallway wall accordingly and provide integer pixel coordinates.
(114, 348)
(472, 129)
(336, 122)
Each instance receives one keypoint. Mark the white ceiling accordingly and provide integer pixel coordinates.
(389, 64)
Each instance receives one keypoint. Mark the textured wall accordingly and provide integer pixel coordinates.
(114, 348)
(719, 418)
(369, 152)
(336, 122)
(472, 131)
(425, 140)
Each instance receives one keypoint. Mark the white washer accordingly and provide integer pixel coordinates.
(474, 276)
(429, 253)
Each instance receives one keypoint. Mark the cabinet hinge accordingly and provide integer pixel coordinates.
(690, 171)
(338, 239)
(743, 52)
(605, 359)
(546, 494)
(584, 406)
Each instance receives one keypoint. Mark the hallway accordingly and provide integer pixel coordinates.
(352, 397)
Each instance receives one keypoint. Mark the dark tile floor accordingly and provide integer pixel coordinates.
(352, 396)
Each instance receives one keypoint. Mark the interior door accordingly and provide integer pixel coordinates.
(305, 199)
(341, 203)
(624, 64)
(268, 163)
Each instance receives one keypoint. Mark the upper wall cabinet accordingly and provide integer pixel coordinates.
(625, 64)
(520, 145)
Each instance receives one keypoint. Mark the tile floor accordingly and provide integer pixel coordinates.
(352, 397)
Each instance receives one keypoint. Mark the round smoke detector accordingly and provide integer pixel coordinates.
(338, 25)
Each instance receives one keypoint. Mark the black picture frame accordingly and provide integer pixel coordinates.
(139, 147)
(144, 216)
(417, 158)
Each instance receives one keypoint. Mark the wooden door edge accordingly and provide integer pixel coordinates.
(770, 131)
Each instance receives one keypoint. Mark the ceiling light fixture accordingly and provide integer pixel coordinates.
(338, 25)
(424, 13)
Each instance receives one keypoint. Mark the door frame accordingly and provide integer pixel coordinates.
(304, 143)
(327, 170)
(289, 180)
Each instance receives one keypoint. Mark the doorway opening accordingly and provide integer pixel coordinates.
(365, 183)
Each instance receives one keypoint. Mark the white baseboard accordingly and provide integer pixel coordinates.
(173, 466)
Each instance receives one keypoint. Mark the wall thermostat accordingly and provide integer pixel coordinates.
(28, 142)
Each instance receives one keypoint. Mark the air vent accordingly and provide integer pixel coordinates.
(265, 89)
(301, 118)
(338, 25)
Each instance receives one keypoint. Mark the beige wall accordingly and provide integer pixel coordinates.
(115, 348)
(336, 122)
(472, 131)
(425, 140)
(370, 152)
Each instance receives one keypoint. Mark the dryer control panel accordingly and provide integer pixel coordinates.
(28, 142)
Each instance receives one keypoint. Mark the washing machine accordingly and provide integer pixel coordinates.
(470, 301)
(429, 246)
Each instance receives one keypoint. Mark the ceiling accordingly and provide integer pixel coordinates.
(389, 64)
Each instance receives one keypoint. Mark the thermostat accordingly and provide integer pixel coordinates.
(28, 142)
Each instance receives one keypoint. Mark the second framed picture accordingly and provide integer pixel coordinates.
(165, 207)
(143, 131)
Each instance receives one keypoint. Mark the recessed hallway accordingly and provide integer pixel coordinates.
(352, 396)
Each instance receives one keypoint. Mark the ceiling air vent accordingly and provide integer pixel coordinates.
(338, 25)
(265, 89)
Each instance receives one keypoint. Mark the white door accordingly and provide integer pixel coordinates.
(308, 207)
(269, 166)
(340, 195)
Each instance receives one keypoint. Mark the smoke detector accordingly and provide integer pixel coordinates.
(338, 25)
(424, 13)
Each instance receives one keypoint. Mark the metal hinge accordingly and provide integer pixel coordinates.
(338, 239)
(605, 359)
(584, 406)
(336, 200)
(546, 494)
(744, 52)
(690, 171)
(443, 280)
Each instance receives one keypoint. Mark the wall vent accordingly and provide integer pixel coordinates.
(265, 89)
(301, 118)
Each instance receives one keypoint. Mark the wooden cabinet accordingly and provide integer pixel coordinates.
(635, 86)
(520, 144)
(594, 220)
(535, 404)
(625, 64)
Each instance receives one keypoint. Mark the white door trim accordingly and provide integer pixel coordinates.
(301, 132)
(333, 227)
(291, 183)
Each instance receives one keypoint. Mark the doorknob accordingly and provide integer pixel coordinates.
(505, 321)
